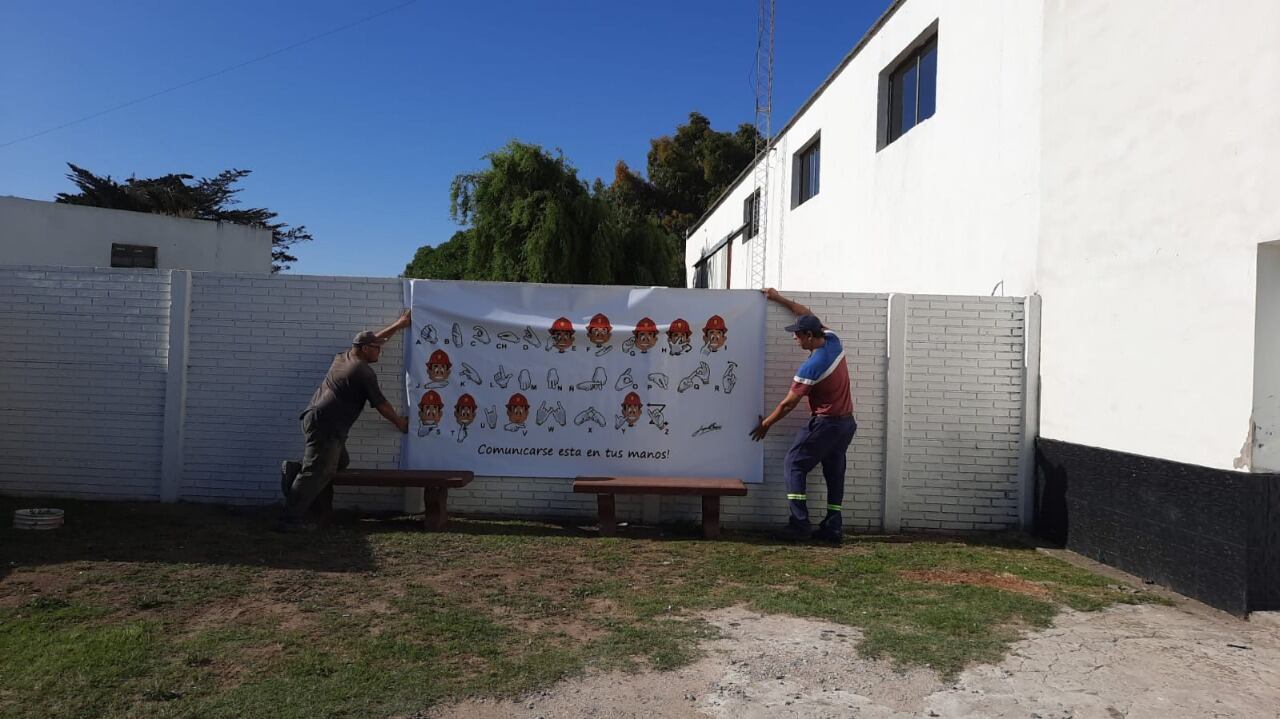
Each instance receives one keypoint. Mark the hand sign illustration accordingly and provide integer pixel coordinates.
(530, 337)
(590, 414)
(729, 379)
(625, 381)
(702, 374)
(502, 378)
(470, 374)
(598, 378)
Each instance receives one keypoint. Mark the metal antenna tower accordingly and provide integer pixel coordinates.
(764, 134)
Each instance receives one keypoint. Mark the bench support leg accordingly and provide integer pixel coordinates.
(711, 516)
(608, 515)
(437, 513)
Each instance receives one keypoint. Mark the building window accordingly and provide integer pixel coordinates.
(713, 269)
(701, 275)
(912, 89)
(751, 216)
(133, 256)
(806, 172)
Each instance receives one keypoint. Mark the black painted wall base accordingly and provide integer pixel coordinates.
(1211, 534)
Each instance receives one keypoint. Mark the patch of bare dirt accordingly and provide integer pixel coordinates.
(1003, 580)
(1131, 662)
(27, 584)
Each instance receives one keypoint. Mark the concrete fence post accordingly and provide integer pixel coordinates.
(1030, 412)
(175, 393)
(896, 350)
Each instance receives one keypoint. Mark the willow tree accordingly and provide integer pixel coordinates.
(529, 218)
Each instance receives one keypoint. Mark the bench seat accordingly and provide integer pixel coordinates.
(711, 489)
(435, 484)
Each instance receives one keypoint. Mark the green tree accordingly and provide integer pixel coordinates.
(445, 261)
(529, 218)
(209, 198)
(687, 172)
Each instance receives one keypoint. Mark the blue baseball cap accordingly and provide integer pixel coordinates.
(805, 323)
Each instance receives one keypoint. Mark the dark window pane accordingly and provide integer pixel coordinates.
(133, 256)
(807, 169)
(895, 106)
(928, 82)
(909, 77)
(813, 183)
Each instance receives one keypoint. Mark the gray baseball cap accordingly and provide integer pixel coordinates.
(367, 338)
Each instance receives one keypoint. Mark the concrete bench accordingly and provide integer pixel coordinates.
(710, 489)
(435, 484)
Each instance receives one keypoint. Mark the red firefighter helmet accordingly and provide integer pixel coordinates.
(518, 400)
(632, 400)
(562, 325)
(646, 325)
(599, 321)
(440, 357)
(430, 399)
(679, 327)
(716, 322)
(466, 400)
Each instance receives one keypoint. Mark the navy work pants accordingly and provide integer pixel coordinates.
(822, 441)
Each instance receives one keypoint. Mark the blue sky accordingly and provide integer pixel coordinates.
(358, 134)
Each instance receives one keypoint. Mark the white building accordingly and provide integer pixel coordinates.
(1120, 159)
(33, 232)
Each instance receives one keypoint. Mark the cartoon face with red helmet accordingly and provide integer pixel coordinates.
(678, 336)
(465, 410)
(430, 409)
(599, 330)
(517, 411)
(713, 334)
(646, 335)
(632, 408)
(562, 334)
(438, 366)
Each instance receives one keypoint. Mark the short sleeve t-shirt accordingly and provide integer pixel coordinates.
(824, 379)
(339, 399)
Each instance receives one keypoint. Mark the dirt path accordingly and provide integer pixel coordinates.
(1133, 662)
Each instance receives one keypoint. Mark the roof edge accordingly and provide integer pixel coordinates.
(848, 58)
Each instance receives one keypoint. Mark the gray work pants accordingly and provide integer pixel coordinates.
(325, 453)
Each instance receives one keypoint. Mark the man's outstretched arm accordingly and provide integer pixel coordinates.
(401, 422)
(796, 308)
(403, 321)
(783, 409)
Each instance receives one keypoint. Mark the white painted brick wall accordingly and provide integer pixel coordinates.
(259, 346)
(962, 415)
(84, 380)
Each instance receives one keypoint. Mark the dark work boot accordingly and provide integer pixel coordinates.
(289, 470)
(830, 529)
(792, 531)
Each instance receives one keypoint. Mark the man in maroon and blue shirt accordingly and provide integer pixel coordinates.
(824, 380)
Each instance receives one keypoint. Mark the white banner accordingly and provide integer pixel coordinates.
(560, 381)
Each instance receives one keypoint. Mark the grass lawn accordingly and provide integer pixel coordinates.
(183, 610)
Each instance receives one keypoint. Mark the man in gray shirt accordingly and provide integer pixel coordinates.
(334, 407)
